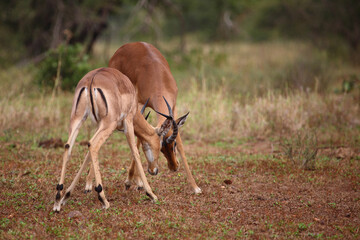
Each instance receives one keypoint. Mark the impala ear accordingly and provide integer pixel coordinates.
(181, 120)
(164, 128)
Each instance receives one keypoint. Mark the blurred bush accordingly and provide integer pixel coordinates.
(329, 24)
(73, 66)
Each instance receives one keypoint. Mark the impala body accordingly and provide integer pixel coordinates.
(150, 73)
(109, 98)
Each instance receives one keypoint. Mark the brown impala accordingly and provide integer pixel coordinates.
(109, 98)
(150, 73)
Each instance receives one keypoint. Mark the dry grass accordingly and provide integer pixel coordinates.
(229, 89)
(249, 190)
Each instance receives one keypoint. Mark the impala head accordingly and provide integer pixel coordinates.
(166, 143)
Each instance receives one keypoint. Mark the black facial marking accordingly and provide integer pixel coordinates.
(60, 187)
(67, 146)
(98, 188)
(57, 196)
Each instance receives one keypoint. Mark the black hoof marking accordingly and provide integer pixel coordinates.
(127, 187)
(87, 191)
(67, 146)
(98, 188)
(140, 188)
(57, 198)
(60, 187)
(67, 195)
(100, 199)
(147, 194)
(89, 144)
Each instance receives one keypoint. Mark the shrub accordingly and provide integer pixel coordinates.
(74, 65)
(301, 149)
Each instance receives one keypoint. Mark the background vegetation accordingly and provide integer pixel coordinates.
(274, 94)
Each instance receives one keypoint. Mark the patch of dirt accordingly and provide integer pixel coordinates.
(244, 196)
(51, 143)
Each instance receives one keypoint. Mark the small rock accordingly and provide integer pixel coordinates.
(227, 181)
(76, 215)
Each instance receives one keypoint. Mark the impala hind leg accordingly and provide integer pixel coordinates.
(75, 125)
(73, 184)
(189, 176)
(130, 136)
(96, 142)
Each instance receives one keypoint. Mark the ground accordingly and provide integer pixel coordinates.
(250, 190)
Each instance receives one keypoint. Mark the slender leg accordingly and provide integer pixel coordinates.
(72, 186)
(189, 176)
(89, 179)
(75, 125)
(95, 144)
(133, 174)
(130, 136)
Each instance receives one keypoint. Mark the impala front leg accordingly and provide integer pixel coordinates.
(89, 179)
(133, 174)
(189, 176)
(129, 132)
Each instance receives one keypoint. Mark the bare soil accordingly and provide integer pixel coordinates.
(249, 191)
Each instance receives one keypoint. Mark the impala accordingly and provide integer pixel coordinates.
(109, 98)
(150, 73)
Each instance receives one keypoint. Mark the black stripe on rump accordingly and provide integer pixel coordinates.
(91, 98)
(78, 99)
(104, 99)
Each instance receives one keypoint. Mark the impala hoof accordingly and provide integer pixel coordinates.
(197, 190)
(56, 208)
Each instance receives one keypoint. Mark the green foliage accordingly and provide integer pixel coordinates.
(74, 65)
(328, 24)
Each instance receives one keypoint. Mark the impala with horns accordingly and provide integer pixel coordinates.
(109, 98)
(150, 73)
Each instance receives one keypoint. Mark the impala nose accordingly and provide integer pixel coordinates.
(154, 171)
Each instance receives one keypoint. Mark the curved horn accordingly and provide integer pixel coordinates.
(169, 108)
(143, 108)
(171, 117)
(174, 134)
(175, 126)
(147, 115)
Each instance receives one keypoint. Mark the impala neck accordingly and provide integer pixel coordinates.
(143, 129)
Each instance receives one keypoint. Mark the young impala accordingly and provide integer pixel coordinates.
(150, 73)
(109, 98)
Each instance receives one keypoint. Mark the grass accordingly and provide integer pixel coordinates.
(244, 102)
